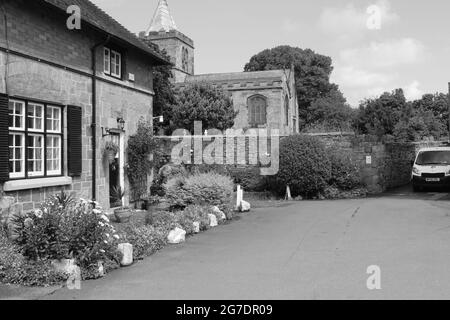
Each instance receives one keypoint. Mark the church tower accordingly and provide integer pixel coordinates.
(164, 32)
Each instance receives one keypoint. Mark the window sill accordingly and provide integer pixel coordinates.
(36, 183)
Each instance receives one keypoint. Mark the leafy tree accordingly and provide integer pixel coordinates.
(202, 102)
(380, 116)
(312, 74)
(437, 104)
(330, 113)
(420, 120)
(391, 114)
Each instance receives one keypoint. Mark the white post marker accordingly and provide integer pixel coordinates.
(240, 197)
(288, 193)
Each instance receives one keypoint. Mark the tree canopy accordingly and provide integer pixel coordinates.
(200, 101)
(391, 115)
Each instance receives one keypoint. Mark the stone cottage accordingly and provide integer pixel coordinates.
(63, 94)
(264, 99)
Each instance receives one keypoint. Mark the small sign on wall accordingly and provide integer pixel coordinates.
(368, 160)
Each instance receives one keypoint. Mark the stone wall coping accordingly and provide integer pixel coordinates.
(328, 134)
(28, 184)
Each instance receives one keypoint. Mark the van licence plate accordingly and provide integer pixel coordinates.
(432, 180)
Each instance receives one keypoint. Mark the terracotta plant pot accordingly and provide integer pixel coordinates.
(122, 215)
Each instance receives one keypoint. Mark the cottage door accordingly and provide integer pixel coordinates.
(114, 175)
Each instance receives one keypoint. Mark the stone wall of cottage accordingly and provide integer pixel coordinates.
(39, 31)
(36, 80)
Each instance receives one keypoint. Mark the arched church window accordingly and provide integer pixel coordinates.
(257, 110)
(286, 110)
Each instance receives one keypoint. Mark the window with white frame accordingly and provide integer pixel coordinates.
(112, 63)
(35, 139)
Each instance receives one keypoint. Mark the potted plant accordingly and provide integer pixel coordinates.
(111, 149)
(122, 214)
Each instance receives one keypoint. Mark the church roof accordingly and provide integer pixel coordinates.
(238, 76)
(162, 19)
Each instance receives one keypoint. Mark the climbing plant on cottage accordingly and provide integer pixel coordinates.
(140, 163)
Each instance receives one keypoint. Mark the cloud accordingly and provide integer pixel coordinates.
(350, 22)
(385, 54)
(370, 70)
(352, 77)
(412, 91)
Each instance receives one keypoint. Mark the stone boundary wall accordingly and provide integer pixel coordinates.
(383, 165)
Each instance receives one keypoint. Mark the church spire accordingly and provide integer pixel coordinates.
(162, 19)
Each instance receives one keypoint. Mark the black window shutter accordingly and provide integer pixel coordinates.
(4, 138)
(74, 124)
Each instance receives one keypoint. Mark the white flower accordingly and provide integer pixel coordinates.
(107, 235)
(105, 218)
(102, 251)
(101, 224)
(38, 213)
(116, 236)
(96, 211)
(105, 242)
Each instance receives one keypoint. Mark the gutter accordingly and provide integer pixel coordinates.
(94, 116)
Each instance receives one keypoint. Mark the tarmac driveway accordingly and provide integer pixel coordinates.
(302, 250)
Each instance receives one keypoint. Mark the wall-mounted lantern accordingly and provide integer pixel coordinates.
(120, 128)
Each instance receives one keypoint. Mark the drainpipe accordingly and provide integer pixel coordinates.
(94, 116)
(449, 111)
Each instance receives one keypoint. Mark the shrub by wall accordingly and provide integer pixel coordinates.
(344, 169)
(201, 188)
(304, 165)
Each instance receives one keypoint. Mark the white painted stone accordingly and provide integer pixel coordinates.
(212, 220)
(240, 196)
(196, 227)
(245, 206)
(176, 236)
(219, 213)
(101, 269)
(127, 252)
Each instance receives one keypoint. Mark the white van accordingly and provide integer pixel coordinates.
(431, 168)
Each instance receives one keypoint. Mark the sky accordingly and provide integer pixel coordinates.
(375, 45)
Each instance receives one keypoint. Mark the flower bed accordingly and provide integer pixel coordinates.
(63, 228)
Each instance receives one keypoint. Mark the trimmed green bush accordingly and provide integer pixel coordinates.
(304, 165)
(344, 171)
(201, 188)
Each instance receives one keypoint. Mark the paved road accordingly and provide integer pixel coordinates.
(305, 250)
